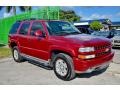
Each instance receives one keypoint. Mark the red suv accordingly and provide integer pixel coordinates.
(58, 44)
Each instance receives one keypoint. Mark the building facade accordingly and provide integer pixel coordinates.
(115, 25)
(86, 24)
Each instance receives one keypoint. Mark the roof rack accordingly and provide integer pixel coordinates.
(27, 19)
(34, 19)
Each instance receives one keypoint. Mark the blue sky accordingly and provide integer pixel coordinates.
(90, 12)
(93, 12)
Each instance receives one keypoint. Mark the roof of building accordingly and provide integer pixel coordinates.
(115, 23)
(87, 22)
(101, 20)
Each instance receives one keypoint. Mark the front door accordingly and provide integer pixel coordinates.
(38, 45)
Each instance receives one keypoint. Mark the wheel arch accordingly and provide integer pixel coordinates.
(13, 44)
(57, 51)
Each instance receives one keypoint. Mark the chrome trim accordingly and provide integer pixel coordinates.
(42, 61)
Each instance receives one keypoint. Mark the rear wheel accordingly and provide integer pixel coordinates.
(16, 55)
(63, 67)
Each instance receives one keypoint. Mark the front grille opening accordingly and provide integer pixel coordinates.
(102, 47)
(116, 41)
(103, 52)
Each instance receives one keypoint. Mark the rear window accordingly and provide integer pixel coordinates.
(14, 28)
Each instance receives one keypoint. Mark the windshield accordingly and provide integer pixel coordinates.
(117, 33)
(101, 33)
(61, 28)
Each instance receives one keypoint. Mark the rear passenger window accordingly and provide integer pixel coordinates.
(36, 26)
(24, 28)
(14, 28)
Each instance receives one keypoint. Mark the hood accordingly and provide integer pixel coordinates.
(85, 39)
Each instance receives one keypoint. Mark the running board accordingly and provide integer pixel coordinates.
(37, 60)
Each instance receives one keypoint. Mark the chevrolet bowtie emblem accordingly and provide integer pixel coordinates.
(107, 49)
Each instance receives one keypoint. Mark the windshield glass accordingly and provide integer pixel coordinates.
(117, 33)
(61, 28)
(101, 33)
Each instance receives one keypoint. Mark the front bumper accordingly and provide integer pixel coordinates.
(87, 66)
(115, 44)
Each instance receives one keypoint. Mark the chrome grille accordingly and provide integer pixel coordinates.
(102, 47)
(103, 52)
(116, 41)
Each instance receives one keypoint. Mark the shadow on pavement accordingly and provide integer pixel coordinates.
(85, 75)
(88, 75)
(39, 65)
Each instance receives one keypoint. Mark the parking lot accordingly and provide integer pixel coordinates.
(27, 73)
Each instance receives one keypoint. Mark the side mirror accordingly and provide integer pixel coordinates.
(39, 33)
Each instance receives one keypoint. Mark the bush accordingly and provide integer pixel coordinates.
(96, 25)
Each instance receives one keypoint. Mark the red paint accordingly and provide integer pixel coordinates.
(42, 47)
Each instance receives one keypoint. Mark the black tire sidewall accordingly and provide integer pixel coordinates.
(68, 75)
(19, 56)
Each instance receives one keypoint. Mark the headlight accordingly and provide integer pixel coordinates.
(86, 49)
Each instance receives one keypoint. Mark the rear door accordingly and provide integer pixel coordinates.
(13, 33)
(23, 37)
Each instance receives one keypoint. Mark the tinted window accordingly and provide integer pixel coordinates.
(61, 28)
(24, 28)
(14, 28)
(117, 32)
(36, 26)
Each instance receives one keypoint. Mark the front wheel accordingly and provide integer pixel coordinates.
(63, 67)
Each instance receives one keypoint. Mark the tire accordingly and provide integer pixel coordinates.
(16, 55)
(63, 67)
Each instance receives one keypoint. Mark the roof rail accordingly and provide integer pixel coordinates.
(34, 19)
(27, 19)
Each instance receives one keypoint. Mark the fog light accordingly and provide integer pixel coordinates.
(86, 56)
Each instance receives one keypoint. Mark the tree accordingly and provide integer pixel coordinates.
(0, 7)
(8, 9)
(25, 8)
(22, 8)
(96, 25)
(69, 15)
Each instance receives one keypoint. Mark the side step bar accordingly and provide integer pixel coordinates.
(36, 61)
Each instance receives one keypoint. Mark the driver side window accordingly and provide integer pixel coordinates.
(35, 26)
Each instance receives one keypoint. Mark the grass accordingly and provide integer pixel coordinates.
(5, 52)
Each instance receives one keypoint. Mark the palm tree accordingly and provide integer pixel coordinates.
(22, 8)
(1, 7)
(26, 8)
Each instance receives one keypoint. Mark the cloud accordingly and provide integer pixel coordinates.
(118, 14)
(96, 16)
(67, 7)
(85, 18)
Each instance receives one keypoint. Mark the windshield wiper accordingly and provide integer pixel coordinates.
(66, 33)
(74, 33)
